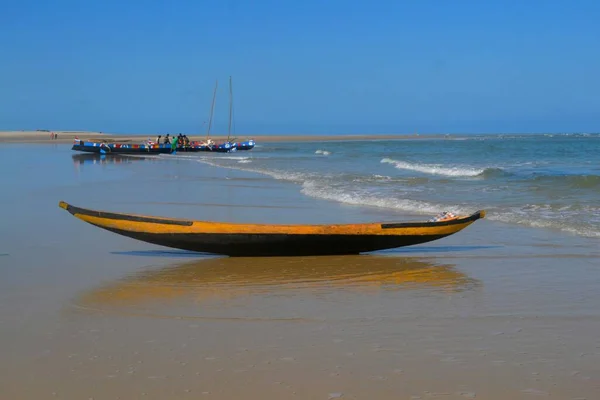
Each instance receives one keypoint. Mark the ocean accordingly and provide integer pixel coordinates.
(544, 181)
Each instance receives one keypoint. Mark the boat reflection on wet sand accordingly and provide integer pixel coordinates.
(101, 159)
(223, 278)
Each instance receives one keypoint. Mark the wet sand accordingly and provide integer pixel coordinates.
(494, 312)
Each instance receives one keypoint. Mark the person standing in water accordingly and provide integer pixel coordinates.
(174, 145)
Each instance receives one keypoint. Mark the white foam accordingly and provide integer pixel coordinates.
(324, 187)
(234, 157)
(532, 216)
(297, 177)
(371, 178)
(323, 190)
(324, 152)
(548, 222)
(434, 169)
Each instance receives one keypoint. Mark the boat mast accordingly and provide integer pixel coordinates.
(230, 108)
(212, 107)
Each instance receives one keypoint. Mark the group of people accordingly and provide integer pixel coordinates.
(179, 141)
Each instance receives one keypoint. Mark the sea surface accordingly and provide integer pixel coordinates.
(507, 308)
(543, 181)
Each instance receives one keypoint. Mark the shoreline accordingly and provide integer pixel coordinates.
(44, 136)
(68, 136)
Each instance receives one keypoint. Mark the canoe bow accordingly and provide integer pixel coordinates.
(237, 239)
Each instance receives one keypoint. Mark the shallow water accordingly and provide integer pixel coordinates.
(544, 181)
(497, 311)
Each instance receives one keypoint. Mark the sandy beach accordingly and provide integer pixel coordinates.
(68, 136)
(371, 200)
(495, 312)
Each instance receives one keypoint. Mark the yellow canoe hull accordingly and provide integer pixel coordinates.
(235, 239)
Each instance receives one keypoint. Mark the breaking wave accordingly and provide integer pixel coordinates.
(535, 216)
(324, 191)
(348, 189)
(441, 170)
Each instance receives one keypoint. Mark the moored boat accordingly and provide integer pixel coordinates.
(234, 239)
(131, 148)
(119, 148)
(246, 145)
(225, 147)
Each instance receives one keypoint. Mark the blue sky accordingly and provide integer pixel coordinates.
(325, 67)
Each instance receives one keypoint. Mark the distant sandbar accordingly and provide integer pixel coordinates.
(43, 136)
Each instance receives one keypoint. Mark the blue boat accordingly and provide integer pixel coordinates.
(150, 148)
(247, 145)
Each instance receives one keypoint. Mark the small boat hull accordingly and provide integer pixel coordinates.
(271, 240)
(247, 145)
(118, 148)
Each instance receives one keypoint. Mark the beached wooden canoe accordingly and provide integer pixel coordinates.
(271, 240)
